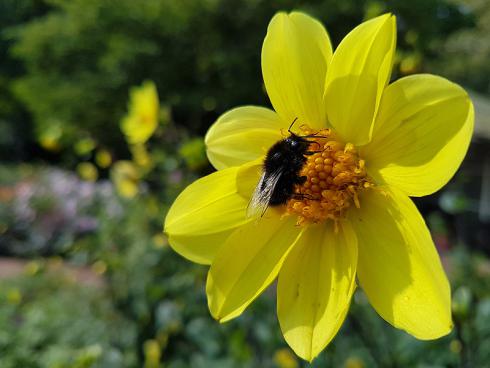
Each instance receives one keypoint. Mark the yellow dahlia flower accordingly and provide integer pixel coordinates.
(142, 118)
(376, 144)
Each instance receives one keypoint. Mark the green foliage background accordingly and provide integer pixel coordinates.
(66, 67)
(70, 63)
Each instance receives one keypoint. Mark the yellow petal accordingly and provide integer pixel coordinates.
(241, 135)
(295, 55)
(248, 262)
(315, 287)
(248, 177)
(357, 75)
(201, 248)
(421, 134)
(399, 268)
(204, 214)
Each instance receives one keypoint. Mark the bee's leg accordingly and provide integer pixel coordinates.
(305, 196)
(314, 136)
(309, 153)
(301, 180)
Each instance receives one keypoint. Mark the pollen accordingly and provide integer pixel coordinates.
(334, 177)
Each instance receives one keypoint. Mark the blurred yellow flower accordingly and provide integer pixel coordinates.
(410, 64)
(14, 296)
(84, 146)
(49, 138)
(103, 158)
(142, 118)
(455, 346)
(87, 171)
(99, 267)
(285, 359)
(371, 146)
(354, 362)
(125, 176)
(32, 268)
(141, 157)
(152, 354)
(159, 241)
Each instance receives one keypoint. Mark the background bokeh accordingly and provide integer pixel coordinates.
(86, 276)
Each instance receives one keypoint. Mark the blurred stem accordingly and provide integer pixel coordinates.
(380, 358)
(464, 355)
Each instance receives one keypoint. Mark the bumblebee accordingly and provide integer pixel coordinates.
(281, 172)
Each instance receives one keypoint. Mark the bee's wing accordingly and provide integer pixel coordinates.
(263, 192)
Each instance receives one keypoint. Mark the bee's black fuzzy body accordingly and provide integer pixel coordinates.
(288, 157)
(281, 172)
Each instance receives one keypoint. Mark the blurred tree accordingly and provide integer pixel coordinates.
(15, 123)
(204, 56)
(467, 52)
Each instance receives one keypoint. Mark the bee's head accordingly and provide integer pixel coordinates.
(297, 143)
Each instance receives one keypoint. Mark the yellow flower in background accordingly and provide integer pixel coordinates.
(103, 158)
(284, 358)
(372, 144)
(99, 267)
(125, 176)
(153, 353)
(87, 171)
(141, 157)
(159, 241)
(354, 362)
(32, 268)
(14, 296)
(84, 146)
(142, 118)
(49, 138)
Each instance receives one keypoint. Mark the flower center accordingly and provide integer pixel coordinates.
(334, 176)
